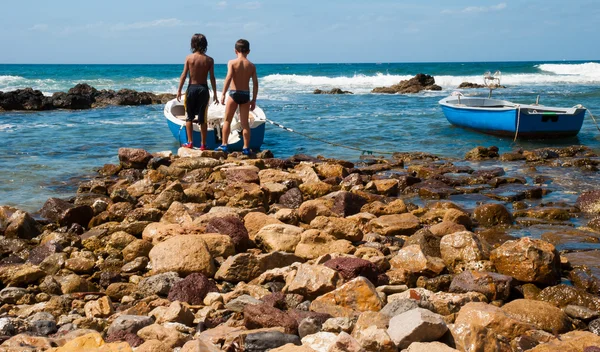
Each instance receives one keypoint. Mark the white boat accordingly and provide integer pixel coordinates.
(175, 114)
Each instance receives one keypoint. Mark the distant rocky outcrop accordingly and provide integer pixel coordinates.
(82, 96)
(414, 85)
(333, 91)
(468, 85)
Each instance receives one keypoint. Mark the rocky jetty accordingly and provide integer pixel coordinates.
(82, 96)
(469, 85)
(416, 84)
(203, 251)
(332, 91)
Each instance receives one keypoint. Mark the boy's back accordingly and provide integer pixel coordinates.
(199, 66)
(243, 70)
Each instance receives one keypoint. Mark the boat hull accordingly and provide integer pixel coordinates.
(177, 126)
(503, 118)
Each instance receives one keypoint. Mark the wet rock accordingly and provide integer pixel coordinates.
(428, 242)
(589, 202)
(563, 295)
(416, 325)
(484, 327)
(463, 250)
(395, 225)
(542, 315)
(540, 261)
(134, 158)
(65, 213)
(482, 153)
(468, 85)
(581, 313)
(490, 215)
(493, 286)
(193, 256)
(21, 225)
(25, 99)
(514, 192)
(414, 85)
(332, 91)
(413, 259)
(572, 341)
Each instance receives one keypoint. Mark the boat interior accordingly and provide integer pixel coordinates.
(215, 115)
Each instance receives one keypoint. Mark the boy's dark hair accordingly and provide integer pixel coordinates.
(242, 46)
(199, 43)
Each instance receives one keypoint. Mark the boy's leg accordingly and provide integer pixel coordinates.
(189, 129)
(204, 131)
(230, 108)
(244, 112)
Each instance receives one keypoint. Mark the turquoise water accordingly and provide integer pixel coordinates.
(44, 154)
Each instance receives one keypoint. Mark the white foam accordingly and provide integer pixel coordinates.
(588, 69)
(359, 83)
(6, 126)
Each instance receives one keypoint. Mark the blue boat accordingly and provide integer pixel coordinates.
(504, 118)
(174, 112)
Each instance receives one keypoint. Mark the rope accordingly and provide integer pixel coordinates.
(518, 121)
(363, 151)
(579, 106)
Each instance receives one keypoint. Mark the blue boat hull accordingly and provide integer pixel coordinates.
(533, 122)
(213, 138)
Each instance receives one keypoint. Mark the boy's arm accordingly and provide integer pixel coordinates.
(227, 81)
(182, 79)
(254, 90)
(213, 81)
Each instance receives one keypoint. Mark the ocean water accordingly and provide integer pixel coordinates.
(44, 154)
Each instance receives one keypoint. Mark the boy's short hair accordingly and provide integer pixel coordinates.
(199, 43)
(242, 46)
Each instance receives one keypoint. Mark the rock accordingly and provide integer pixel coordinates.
(573, 341)
(21, 225)
(428, 242)
(490, 215)
(233, 227)
(101, 308)
(350, 268)
(255, 221)
(374, 339)
(332, 91)
(414, 85)
(429, 347)
(25, 99)
(540, 263)
(398, 306)
(357, 295)
(467, 85)
(312, 281)
(278, 237)
(313, 208)
(348, 203)
(65, 213)
(314, 244)
(416, 325)
(169, 336)
(134, 158)
(240, 267)
(156, 346)
(493, 286)
(482, 153)
(320, 342)
(192, 256)
(484, 327)
(309, 326)
(435, 284)
(192, 289)
(158, 284)
(413, 259)
(174, 313)
(345, 343)
(395, 225)
(171, 194)
(564, 295)
(581, 313)
(264, 316)
(268, 340)
(461, 249)
(542, 315)
(129, 323)
(588, 202)
(92, 342)
(340, 228)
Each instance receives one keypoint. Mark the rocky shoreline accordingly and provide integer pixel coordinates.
(82, 96)
(204, 251)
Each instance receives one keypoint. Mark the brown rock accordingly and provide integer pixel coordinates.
(278, 237)
(134, 158)
(540, 261)
(462, 248)
(192, 289)
(192, 256)
(169, 336)
(492, 214)
(413, 259)
(265, 316)
(493, 286)
(313, 208)
(340, 228)
(542, 315)
(240, 267)
(357, 295)
(312, 281)
(254, 221)
(395, 225)
(350, 268)
(575, 341)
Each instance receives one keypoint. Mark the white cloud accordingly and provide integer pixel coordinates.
(253, 5)
(39, 27)
(479, 9)
(165, 22)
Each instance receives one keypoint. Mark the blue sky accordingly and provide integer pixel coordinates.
(282, 31)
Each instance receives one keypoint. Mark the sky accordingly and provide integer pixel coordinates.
(306, 31)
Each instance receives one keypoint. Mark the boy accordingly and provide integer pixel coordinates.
(239, 72)
(199, 65)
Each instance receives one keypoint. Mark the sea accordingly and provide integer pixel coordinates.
(45, 154)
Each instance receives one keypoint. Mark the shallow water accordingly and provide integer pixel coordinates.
(44, 154)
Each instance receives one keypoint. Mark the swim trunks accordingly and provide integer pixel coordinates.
(240, 96)
(196, 102)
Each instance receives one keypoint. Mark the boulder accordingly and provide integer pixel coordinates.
(542, 315)
(416, 325)
(494, 286)
(192, 289)
(414, 85)
(357, 295)
(192, 256)
(132, 158)
(492, 214)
